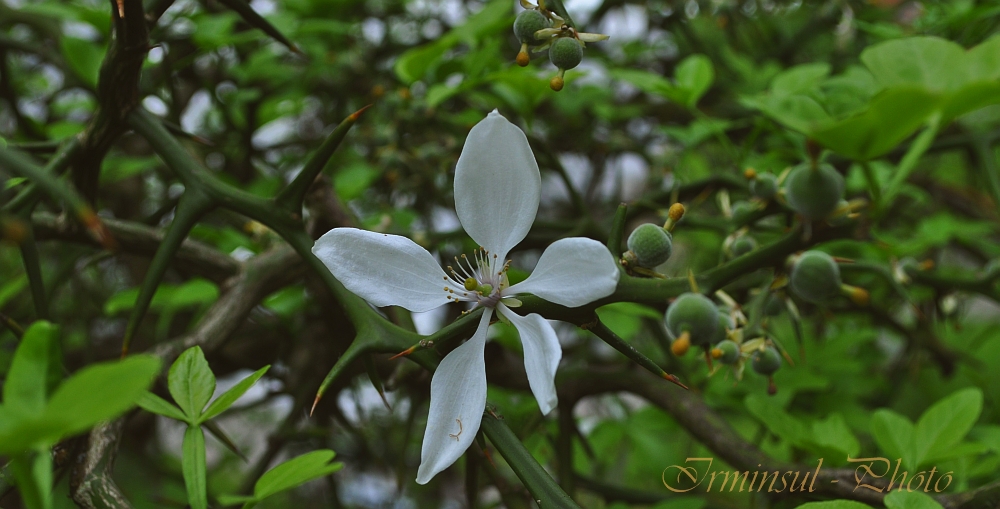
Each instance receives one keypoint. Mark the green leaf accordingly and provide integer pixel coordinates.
(353, 179)
(835, 504)
(983, 61)
(24, 387)
(84, 58)
(909, 500)
(191, 382)
(193, 467)
(694, 75)
(966, 80)
(930, 62)
(194, 292)
(152, 403)
(100, 392)
(228, 500)
(833, 433)
(946, 423)
(775, 418)
(892, 116)
(647, 82)
(33, 475)
(800, 79)
(625, 318)
(413, 65)
(894, 435)
(226, 400)
(295, 472)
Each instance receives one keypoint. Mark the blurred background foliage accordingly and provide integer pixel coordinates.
(681, 99)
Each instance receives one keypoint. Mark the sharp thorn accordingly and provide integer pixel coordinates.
(381, 394)
(319, 396)
(489, 457)
(404, 353)
(357, 114)
(676, 381)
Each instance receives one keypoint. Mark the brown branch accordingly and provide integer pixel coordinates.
(91, 485)
(117, 92)
(135, 238)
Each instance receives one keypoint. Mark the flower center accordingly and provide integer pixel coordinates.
(480, 279)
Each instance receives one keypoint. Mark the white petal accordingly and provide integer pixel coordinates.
(541, 355)
(497, 185)
(571, 272)
(386, 270)
(458, 398)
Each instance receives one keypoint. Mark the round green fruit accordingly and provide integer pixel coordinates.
(727, 352)
(725, 322)
(742, 208)
(814, 192)
(527, 23)
(764, 186)
(696, 315)
(651, 245)
(565, 53)
(815, 277)
(774, 305)
(742, 245)
(766, 361)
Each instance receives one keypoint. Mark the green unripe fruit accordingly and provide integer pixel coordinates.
(764, 186)
(725, 322)
(527, 23)
(742, 209)
(766, 361)
(727, 352)
(694, 314)
(814, 193)
(774, 305)
(651, 245)
(743, 245)
(815, 277)
(565, 53)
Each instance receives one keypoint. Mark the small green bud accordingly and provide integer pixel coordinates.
(651, 245)
(814, 192)
(727, 352)
(742, 209)
(743, 245)
(764, 186)
(565, 53)
(774, 305)
(695, 314)
(815, 277)
(527, 23)
(766, 361)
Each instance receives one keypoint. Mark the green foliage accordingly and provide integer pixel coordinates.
(288, 475)
(32, 421)
(692, 78)
(191, 383)
(247, 157)
(938, 434)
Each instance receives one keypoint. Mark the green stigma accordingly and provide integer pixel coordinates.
(485, 289)
(471, 284)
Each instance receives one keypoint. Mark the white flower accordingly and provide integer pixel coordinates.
(496, 197)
